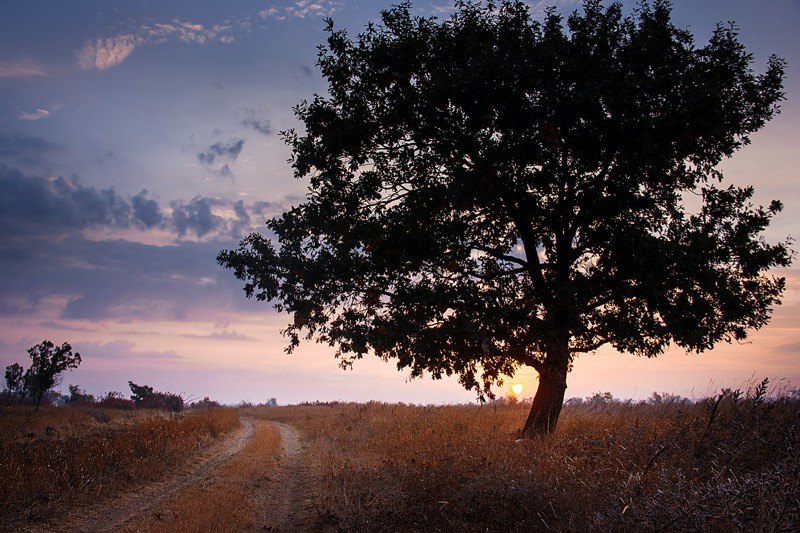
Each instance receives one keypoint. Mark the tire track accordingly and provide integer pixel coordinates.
(114, 515)
(288, 506)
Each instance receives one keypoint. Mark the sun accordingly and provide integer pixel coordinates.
(517, 388)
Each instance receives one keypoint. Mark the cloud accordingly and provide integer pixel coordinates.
(23, 148)
(104, 53)
(52, 208)
(146, 212)
(79, 282)
(36, 115)
(196, 216)
(224, 336)
(121, 350)
(242, 224)
(56, 205)
(52, 324)
(300, 9)
(225, 171)
(57, 266)
(792, 348)
(228, 152)
(21, 68)
(261, 126)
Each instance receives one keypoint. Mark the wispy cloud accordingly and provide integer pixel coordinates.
(21, 68)
(223, 336)
(300, 9)
(36, 115)
(252, 121)
(228, 151)
(123, 350)
(108, 52)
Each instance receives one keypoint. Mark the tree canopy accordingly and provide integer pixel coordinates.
(489, 191)
(48, 362)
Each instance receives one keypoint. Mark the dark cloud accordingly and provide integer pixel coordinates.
(118, 280)
(196, 216)
(25, 151)
(241, 212)
(58, 204)
(46, 260)
(16, 147)
(146, 212)
(242, 224)
(261, 126)
(228, 152)
(52, 324)
(53, 207)
(225, 171)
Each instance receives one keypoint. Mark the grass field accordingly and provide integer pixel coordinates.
(61, 457)
(724, 464)
(727, 463)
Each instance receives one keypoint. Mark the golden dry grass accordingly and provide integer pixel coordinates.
(727, 463)
(75, 460)
(231, 501)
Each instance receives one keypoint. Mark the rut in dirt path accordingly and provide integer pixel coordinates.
(287, 501)
(113, 515)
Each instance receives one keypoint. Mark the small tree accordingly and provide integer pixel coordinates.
(491, 191)
(140, 393)
(79, 396)
(47, 363)
(15, 381)
(144, 396)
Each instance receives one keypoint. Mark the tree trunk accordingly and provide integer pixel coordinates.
(547, 403)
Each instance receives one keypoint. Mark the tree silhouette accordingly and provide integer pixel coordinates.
(47, 363)
(16, 381)
(490, 191)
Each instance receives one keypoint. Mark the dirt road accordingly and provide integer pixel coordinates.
(285, 505)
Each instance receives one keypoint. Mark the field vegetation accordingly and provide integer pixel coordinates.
(730, 462)
(61, 457)
(232, 501)
(727, 463)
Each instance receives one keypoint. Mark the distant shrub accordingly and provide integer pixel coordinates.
(205, 403)
(145, 397)
(78, 396)
(115, 400)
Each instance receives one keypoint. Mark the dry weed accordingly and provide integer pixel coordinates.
(231, 501)
(65, 466)
(727, 463)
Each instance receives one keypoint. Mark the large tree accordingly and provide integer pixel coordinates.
(490, 191)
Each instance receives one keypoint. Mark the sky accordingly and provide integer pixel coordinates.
(138, 139)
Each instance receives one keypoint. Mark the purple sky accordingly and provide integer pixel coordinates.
(137, 139)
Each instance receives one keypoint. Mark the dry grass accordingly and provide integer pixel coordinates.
(231, 501)
(728, 463)
(77, 457)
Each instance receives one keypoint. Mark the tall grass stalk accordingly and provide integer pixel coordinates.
(731, 462)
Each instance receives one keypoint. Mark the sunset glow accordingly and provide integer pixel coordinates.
(137, 140)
